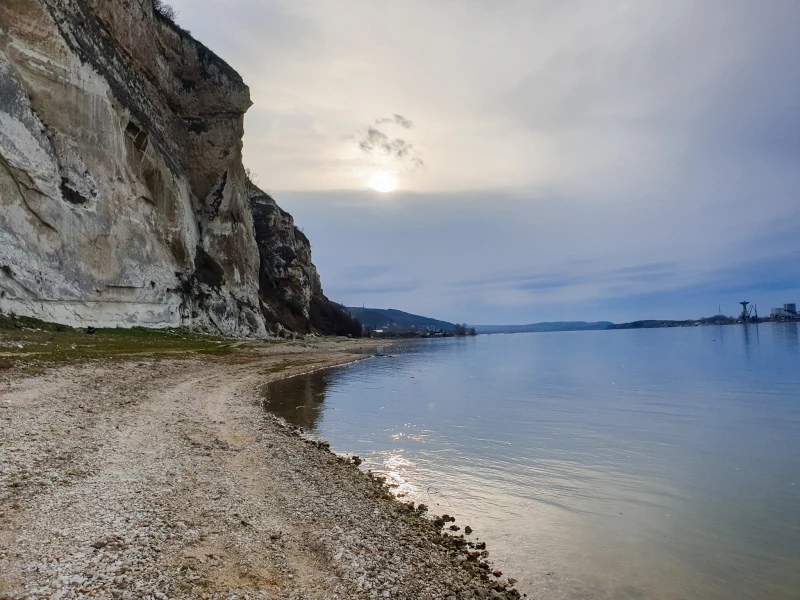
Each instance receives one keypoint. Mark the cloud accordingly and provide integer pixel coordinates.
(373, 140)
(397, 119)
(376, 144)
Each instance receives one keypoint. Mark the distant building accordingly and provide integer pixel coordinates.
(788, 311)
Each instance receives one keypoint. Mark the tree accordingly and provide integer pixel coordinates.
(330, 318)
(461, 329)
(358, 329)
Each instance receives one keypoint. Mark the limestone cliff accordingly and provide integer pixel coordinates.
(123, 199)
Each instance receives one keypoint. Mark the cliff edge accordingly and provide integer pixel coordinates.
(123, 196)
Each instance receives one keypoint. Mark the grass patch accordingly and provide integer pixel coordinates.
(12, 322)
(25, 342)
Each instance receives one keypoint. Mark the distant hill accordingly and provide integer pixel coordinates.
(390, 319)
(543, 327)
(653, 324)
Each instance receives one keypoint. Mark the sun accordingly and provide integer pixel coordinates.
(383, 182)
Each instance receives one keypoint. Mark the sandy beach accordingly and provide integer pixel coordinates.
(159, 475)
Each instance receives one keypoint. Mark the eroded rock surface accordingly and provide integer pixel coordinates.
(123, 199)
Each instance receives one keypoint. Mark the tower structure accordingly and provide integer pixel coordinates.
(745, 314)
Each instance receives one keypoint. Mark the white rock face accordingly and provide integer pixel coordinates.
(123, 199)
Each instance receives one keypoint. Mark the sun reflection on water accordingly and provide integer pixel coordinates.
(394, 467)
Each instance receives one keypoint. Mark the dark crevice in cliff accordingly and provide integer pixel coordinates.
(195, 125)
(216, 197)
(71, 195)
(139, 137)
(207, 270)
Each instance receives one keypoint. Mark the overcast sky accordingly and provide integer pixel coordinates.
(555, 160)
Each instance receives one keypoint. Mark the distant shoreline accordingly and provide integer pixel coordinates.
(607, 326)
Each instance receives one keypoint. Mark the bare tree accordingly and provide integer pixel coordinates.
(251, 176)
(165, 10)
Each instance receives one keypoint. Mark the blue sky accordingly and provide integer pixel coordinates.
(554, 160)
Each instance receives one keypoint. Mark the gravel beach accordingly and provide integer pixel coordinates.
(162, 477)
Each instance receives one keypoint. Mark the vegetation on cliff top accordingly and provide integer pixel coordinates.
(165, 11)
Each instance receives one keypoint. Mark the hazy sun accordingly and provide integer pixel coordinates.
(383, 182)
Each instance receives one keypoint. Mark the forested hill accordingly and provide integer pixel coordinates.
(396, 320)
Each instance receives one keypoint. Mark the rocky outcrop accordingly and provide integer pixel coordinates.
(123, 199)
(288, 280)
(289, 286)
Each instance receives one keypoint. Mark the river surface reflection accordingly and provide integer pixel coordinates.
(658, 464)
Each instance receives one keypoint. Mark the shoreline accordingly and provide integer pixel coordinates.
(163, 476)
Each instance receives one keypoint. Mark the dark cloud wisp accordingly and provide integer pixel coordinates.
(375, 143)
(396, 119)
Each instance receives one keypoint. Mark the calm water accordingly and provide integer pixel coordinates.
(657, 464)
